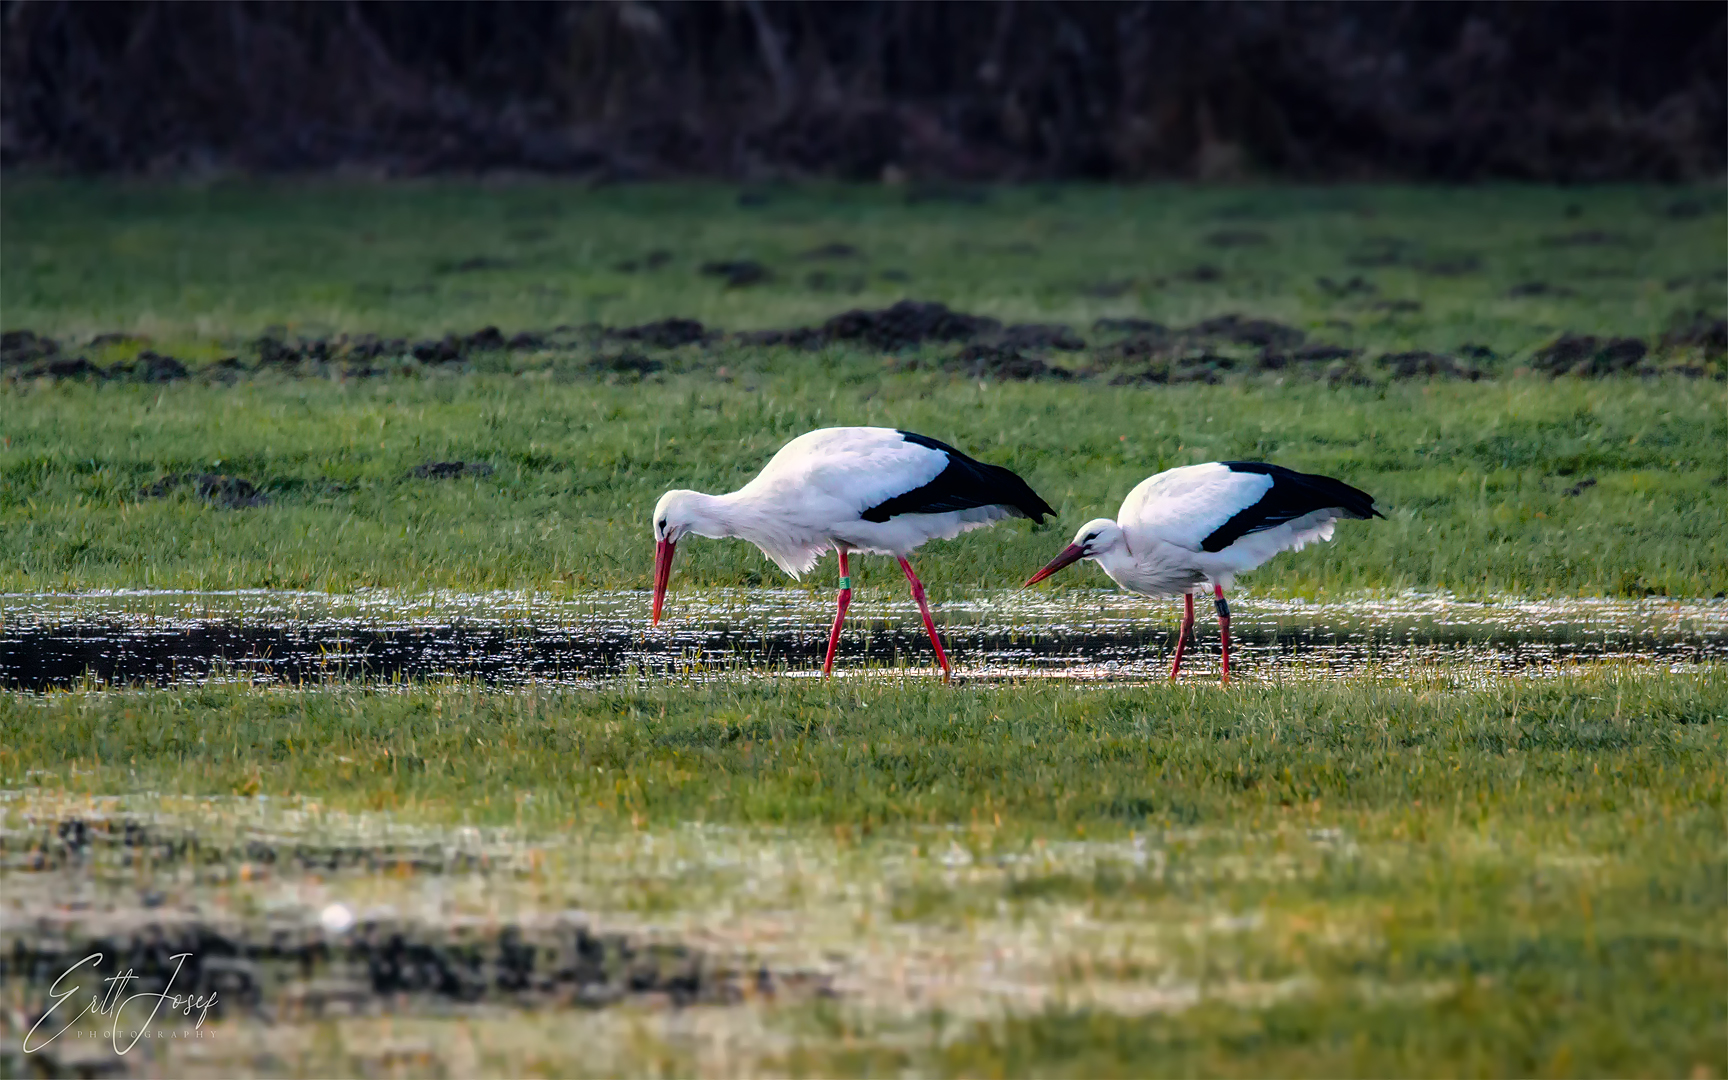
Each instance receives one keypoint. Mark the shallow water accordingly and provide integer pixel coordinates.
(508, 639)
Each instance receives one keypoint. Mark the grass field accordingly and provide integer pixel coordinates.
(1384, 878)
(1446, 872)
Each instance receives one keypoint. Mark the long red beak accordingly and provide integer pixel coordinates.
(662, 574)
(1073, 553)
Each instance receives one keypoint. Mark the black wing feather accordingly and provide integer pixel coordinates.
(1292, 495)
(963, 485)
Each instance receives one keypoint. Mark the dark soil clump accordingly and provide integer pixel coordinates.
(1200, 368)
(1317, 353)
(1041, 336)
(150, 367)
(75, 367)
(833, 251)
(19, 347)
(1263, 333)
(664, 334)
(1538, 288)
(1581, 354)
(1700, 331)
(738, 273)
(628, 362)
(1422, 364)
(906, 324)
(219, 489)
(1129, 326)
(445, 470)
(1354, 286)
(1004, 361)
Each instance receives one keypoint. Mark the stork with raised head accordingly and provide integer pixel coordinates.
(1201, 525)
(851, 489)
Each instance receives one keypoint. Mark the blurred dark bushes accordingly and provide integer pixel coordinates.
(751, 90)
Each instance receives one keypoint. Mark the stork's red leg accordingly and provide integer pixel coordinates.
(1183, 634)
(929, 623)
(1223, 626)
(839, 611)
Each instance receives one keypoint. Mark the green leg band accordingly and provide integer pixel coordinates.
(846, 582)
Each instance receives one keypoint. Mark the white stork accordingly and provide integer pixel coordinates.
(1200, 525)
(874, 490)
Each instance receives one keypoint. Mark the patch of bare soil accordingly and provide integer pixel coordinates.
(987, 347)
(25, 354)
(301, 964)
(1582, 354)
(218, 489)
(906, 324)
(664, 333)
(1698, 330)
(833, 251)
(1421, 364)
(738, 273)
(445, 470)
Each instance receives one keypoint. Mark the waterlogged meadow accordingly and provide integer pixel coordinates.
(325, 661)
(1376, 876)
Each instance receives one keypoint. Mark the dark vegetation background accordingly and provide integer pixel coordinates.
(871, 90)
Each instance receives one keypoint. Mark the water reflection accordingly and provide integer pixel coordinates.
(160, 639)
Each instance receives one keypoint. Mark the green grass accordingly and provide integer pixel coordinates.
(191, 264)
(1379, 877)
(916, 751)
(1472, 476)
(1473, 479)
(1518, 880)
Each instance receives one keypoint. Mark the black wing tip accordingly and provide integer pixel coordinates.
(1039, 510)
(1023, 502)
(1353, 501)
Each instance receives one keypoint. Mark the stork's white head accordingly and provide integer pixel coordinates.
(1097, 539)
(677, 514)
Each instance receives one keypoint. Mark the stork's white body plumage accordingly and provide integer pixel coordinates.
(1193, 529)
(850, 489)
(1167, 518)
(811, 498)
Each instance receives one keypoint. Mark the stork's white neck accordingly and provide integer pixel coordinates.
(1118, 563)
(717, 516)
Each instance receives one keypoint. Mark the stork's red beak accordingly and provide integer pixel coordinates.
(662, 574)
(1073, 553)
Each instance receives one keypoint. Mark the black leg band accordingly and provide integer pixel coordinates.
(1223, 608)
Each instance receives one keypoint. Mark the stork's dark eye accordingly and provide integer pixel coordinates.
(662, 526)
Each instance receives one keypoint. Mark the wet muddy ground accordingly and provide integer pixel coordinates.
(163, 639)
(276, 914)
